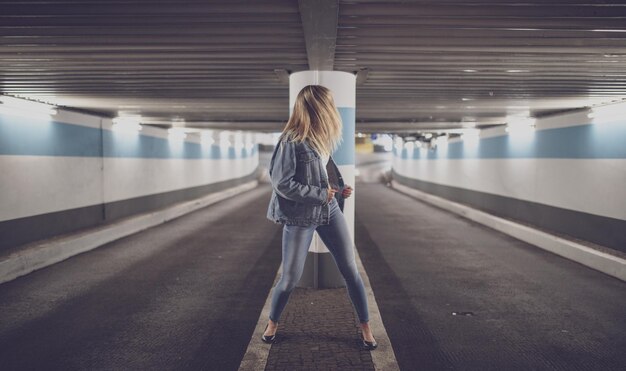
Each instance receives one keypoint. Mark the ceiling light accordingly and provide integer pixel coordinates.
(225, 139)
(517, 71)
(26, 107)
(399, 142)
(177, 133)
(207, 137)
(127, 119)
(607, 112)
(126, 127)
(469, 70)
(470, 135)
(518, 124)
(519, 128)
(238, 140)
(127, 123)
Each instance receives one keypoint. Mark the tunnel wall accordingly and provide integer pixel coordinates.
(567, 177)
(73, 172)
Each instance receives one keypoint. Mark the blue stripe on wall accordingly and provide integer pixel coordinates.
(344, 155)
(41, 137)
(603, 140)
(120, 144)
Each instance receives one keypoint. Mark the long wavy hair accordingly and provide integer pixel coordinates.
(315, 118)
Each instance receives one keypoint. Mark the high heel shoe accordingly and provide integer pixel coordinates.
(368, 345)
(268, 339)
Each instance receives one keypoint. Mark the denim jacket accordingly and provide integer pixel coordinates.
(300, 186)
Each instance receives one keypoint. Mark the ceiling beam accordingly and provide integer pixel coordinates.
(319, 23)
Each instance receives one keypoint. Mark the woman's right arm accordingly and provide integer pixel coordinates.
(283, 182)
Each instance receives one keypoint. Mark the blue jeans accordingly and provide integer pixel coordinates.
(296, 242)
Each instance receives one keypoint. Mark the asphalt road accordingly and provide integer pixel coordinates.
(528, 309)
(186, 295)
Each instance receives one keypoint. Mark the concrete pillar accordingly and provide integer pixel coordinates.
(320, 270)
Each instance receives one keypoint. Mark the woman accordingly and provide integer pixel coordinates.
(306, 198)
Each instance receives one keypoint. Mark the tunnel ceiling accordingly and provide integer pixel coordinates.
(423, 64)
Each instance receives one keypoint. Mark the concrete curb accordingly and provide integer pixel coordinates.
(42, 254)
(255, 358)
(383, 356)
(603, 262)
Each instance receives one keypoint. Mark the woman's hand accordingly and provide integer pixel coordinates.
(331, 193)
(347, 191)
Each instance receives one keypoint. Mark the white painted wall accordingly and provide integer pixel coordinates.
(591, 185)
(39, 184)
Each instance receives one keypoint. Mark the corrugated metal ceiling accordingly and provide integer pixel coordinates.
(428, 63)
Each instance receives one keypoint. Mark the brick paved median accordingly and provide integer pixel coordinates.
(318, 330)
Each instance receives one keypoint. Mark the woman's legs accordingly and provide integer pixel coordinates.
(336, 237)
(296, 242)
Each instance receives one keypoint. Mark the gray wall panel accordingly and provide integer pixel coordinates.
(600, 230)
(17, 232)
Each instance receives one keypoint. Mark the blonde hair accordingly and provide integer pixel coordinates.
(315, 118)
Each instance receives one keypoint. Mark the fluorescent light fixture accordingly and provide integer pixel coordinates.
(224, 139)
(608, 30)
(441, 142)
(399, 143)
(519, 124)
(25, 107)
(469, 70)
(126, 127)
(249, 141)
(206, 137)
(177, 133)
(466, 99)
(127, 123)
(516, 71)
(519, 128)
(238, 140)
(385, 140)
(607, 113)
(471, 135)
